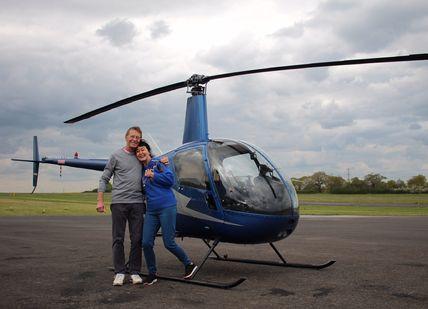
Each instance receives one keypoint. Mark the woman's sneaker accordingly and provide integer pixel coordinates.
(118, 279)
(150, 279)
(136, 279)
(189, 271)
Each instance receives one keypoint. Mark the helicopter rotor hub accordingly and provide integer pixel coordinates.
(197, 84)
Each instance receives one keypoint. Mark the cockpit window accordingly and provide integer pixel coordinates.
(245, 180)
(190, 168)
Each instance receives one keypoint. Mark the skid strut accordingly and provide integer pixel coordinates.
(283, 262)
(211, 284)
(219, 285)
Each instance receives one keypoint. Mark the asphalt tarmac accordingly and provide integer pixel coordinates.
(62, 262)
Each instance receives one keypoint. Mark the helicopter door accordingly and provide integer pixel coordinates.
(194, 193)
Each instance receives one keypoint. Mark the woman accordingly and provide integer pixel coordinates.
(161, 212)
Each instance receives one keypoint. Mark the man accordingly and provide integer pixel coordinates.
(126, 205)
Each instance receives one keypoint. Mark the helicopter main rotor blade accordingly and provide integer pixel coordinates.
(414, 57)
(134, 98)
(199, 79)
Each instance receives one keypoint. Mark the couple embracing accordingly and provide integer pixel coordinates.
(138, 178)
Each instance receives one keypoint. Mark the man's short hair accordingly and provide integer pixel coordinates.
(135, 129)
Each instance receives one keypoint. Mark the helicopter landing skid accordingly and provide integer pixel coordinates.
(272, 263)
(283, 262)
(218, 285)
(211, 284)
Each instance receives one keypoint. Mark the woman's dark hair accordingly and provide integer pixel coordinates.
(143, 143)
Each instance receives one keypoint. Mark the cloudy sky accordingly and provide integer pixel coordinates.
(59, 59)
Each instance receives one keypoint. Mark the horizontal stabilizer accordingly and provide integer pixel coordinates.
(22, 160)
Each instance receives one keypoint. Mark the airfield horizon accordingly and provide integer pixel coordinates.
(83, 204)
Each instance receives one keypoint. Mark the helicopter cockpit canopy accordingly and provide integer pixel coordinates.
(246, 181)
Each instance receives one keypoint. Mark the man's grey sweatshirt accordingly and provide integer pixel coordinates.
(126, 171)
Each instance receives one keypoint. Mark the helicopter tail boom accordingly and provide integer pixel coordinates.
(91, 164)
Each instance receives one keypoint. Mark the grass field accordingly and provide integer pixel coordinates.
(366, 204)
(83, 204)
(364, 210)
(415, 199)
(50, 204)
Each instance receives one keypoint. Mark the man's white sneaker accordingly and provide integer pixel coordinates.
(118, 279)
(136, 279)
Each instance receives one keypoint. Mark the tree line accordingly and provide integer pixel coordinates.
(320, 182)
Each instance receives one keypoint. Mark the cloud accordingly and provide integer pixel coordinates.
(329, 115)
(231, 57)
(118, 32)
(415, 126)
(159, 29)
(370, 26)
(295, 31)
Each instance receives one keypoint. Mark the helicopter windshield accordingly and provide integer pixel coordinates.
(245, 180)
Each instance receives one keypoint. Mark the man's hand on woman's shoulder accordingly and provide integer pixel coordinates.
(165, 160)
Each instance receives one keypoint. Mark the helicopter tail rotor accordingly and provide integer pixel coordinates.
(36, 162)
(36, 158)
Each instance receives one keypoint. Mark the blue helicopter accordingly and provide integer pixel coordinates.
(227, 190)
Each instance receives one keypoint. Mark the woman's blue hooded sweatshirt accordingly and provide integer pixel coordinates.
(159, 194)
